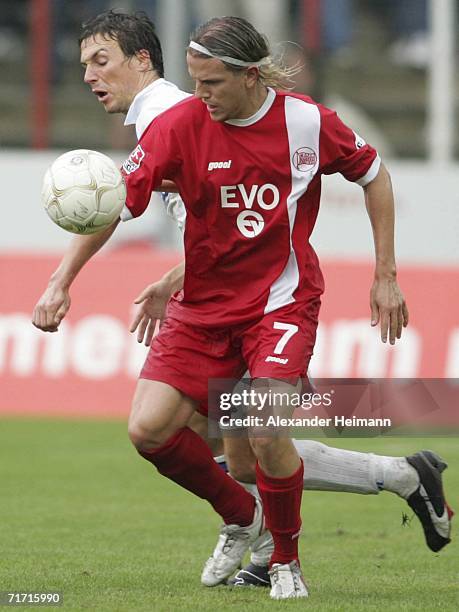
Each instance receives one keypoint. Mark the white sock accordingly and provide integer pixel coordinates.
(333, 469)
(398, 476)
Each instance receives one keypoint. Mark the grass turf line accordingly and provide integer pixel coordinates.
(81, 513)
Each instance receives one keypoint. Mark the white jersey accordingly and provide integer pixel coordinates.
(146, 106)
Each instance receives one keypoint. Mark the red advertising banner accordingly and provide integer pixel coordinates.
(90, 366)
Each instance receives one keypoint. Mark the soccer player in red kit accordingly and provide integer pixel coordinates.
(247, 161)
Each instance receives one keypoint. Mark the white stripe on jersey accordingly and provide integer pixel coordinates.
(371, 174)
(303, 129)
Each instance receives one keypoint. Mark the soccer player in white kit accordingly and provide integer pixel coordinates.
(141, 108)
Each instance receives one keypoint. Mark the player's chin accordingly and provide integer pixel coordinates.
(217, 115)
(112, 107)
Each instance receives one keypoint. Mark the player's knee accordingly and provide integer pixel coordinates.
(146, 436)
(141, 438)
(158, 412)
(149, 425)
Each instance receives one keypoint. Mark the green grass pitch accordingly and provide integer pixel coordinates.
(81, 513)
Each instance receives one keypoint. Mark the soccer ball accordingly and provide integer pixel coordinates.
(83, 191)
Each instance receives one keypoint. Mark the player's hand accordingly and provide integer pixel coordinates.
(388, 308)
(153, 302)
(51, 308)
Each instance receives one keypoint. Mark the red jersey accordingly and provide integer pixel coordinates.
(251, 188)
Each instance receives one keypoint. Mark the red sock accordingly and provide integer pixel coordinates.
(186, 459)
(281, 499)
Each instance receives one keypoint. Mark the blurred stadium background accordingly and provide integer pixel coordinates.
(388, 67)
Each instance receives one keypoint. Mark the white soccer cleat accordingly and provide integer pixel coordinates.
(287, 581)
(233, 543)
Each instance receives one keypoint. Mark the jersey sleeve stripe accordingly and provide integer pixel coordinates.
(371, 174)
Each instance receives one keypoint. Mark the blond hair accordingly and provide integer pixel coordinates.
(236, 38)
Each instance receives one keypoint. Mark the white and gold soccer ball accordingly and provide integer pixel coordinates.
(83, 191)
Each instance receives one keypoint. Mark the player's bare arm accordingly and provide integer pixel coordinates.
(387, 303)
(54, 304)
(153, 301)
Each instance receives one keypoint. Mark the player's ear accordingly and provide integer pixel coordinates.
(252, 76)
(144, 59)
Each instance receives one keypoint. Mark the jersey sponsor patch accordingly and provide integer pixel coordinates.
(304, 159)
(250, 222)
(134, 160)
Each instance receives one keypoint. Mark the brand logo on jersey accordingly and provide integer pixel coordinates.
(277, 359)
(250, 222)
(359, 141)
(134, 160)
(304, 159)
(218, 165)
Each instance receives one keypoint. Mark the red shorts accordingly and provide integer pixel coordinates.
(279, 345)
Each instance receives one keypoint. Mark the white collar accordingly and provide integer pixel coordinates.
(137, 103)
(261, 112)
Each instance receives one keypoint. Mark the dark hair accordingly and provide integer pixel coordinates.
(132, 32)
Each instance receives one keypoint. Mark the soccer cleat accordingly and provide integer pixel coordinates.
(251, 576)
(428, 500)
(233, 543)
(287, 581)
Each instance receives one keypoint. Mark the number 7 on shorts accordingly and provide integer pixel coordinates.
(289, 329)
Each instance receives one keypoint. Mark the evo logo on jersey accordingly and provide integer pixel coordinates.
(218, 165)
(134, 160)
(250, 222)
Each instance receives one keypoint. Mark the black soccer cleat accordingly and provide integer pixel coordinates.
(428, 501)
(251, 576)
